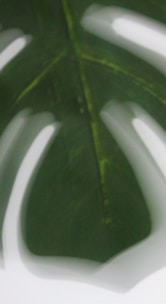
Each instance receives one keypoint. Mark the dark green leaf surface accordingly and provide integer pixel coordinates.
(85, 201)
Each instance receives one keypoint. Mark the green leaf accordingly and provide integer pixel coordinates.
(85, 201)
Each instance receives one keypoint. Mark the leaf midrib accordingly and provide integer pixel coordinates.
(89, 105)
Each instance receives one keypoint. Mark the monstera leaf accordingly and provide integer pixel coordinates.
(85, 202)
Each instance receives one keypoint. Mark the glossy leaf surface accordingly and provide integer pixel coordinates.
(85, 201)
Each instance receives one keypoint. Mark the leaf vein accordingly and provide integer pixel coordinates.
(38, 78)
(147, 86)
